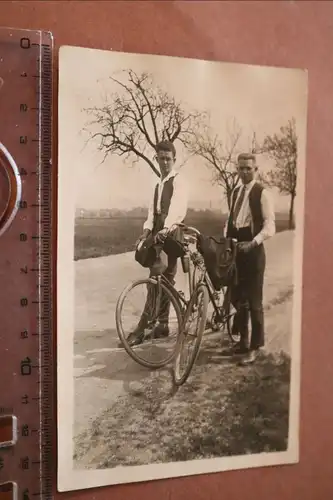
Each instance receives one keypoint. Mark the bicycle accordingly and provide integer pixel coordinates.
(159, 292)
(193, 266)
(203, 293)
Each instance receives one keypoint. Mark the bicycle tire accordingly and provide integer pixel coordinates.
(180, 379)
(229, 323)
(197, 276)
(235, 339)
(121, 334)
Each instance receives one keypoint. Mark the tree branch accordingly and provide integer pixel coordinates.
(131, 122)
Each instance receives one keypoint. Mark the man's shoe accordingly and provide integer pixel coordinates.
(136, 337)
(249, 358)
(160, 331)
(240, 349)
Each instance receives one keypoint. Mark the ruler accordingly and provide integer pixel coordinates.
(26, 371)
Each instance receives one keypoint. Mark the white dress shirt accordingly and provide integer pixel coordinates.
(178, 203)
(244, 218)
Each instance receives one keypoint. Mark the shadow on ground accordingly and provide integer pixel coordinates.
(100, 357)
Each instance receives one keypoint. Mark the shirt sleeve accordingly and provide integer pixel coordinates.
(149, 222)
(268, 212)
(179, 202)
(225, 227)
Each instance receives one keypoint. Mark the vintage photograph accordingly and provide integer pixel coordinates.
(181, 191)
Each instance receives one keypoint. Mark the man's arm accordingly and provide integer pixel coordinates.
(179, 202)
(226, 224)
(225, 227)
(148, 224)
(268, 213)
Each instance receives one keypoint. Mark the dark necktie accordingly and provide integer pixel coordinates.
(238, 204)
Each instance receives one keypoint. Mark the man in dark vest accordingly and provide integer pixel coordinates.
(251, 221)
(168, 207)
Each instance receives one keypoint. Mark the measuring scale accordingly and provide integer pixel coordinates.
(26, 368)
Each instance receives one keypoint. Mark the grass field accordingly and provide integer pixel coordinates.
(242, 412)
(100, 237)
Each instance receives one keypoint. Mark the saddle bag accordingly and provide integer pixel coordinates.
(220, 259)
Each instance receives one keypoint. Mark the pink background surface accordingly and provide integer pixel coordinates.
(285, 33)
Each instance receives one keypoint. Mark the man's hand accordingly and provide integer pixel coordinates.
(161, 235)
(246, 246)
(144, 235)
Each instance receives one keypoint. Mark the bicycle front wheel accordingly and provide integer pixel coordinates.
(191, 334)
(140, 308)
(197, 276)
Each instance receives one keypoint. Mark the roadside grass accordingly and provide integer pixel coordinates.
(281, 297)
(222, 410)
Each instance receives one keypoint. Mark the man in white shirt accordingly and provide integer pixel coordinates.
(251, 221)
(168, 207)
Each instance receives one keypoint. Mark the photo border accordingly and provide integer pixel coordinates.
(69, 479)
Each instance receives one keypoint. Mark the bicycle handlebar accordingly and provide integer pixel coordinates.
(189, 229)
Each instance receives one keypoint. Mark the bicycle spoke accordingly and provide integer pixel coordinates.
(154, 303)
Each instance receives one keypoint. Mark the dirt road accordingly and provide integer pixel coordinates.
(102, 370)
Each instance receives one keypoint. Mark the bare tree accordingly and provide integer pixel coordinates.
(282, 148)
(133, 120)
(220, 155)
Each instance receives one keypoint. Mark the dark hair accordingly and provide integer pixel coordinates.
(166, 146)
(247, 156)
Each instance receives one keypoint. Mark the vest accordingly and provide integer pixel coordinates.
(255, 208)
(167, 192)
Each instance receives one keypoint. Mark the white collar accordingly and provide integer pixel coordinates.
(173, 173)
(249, 185)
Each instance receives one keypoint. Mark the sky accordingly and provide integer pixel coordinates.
(261, 99)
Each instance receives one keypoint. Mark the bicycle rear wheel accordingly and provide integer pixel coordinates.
(230, 313)
(144, 300)
(196, 312)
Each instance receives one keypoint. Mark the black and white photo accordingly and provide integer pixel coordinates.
(179, 280)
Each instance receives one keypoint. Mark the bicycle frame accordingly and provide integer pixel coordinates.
(205, 279)
(222, 311)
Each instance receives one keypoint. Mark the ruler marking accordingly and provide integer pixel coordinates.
(45, 316)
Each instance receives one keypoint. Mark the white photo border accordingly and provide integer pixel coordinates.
(69, 479)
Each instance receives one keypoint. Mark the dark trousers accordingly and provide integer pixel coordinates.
(247, 296)
(169, 274)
